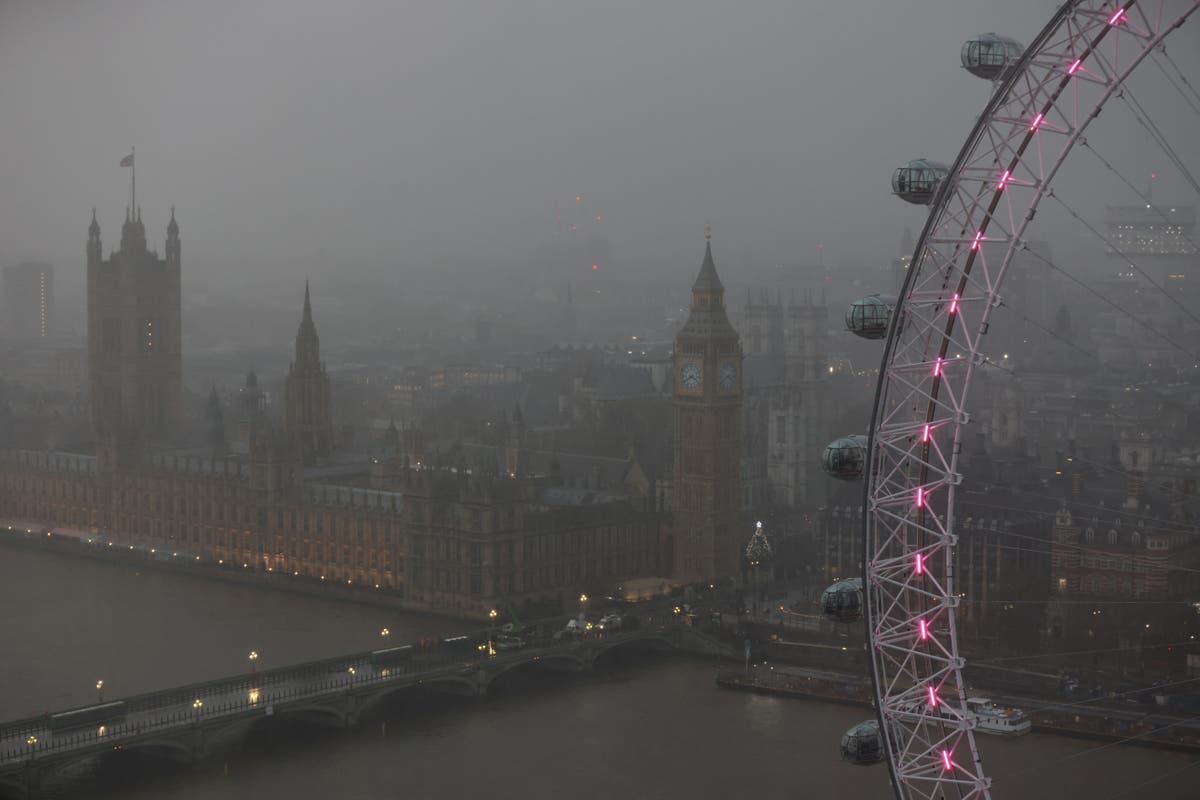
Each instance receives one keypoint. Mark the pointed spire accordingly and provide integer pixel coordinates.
(94, 228)
(173, 226)
(307, 305)
(707, 280)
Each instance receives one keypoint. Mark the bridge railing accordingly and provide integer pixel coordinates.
(259, 692)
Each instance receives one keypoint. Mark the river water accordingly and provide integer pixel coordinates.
(646, 727)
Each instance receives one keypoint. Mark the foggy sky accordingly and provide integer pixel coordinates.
(298, 138)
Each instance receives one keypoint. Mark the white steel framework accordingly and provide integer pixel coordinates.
(1039, 111)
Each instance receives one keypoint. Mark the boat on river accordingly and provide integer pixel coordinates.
(998, 720)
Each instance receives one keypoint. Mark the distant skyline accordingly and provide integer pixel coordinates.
(299, 137)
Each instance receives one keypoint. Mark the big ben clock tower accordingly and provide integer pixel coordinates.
(707, 409)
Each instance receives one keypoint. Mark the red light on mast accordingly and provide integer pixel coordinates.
(595, 267)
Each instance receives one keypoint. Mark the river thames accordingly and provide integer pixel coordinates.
(645, 727)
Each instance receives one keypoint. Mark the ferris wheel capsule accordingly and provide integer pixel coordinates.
(843, 601)
(917, 181)
(862, 745)
(870, 316)
(845, 458)
(991, 56)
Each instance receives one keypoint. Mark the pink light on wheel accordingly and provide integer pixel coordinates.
(1071, 70)
(954, 304)
(933, 698)
(919, 564)
(1003, 180)
(925, 434)
(1116, 18)
(946, 762)
(977, 240)
(923, 630)
(1033, 126)
(920, 496)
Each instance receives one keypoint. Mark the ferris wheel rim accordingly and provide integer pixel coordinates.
(884, 503)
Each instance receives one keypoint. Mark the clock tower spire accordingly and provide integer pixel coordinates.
(706, 411)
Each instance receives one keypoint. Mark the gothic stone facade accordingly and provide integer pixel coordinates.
(707, 405)
(443, 541)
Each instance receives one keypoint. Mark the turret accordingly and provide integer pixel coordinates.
(133, 232)
(173, 240)
(93, 245)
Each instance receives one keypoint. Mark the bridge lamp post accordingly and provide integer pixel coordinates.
(385, 633)
(492, 621)
(32, 742)
(197, 704)
(253, 658)
(100, 691)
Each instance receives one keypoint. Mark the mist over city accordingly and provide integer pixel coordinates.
(683, 399)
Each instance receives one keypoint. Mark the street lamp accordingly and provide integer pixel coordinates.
(100, 691)
(32, 742)
(197, 704)
(253, 657)
(385, 633)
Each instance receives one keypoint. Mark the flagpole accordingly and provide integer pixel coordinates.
(133, 181)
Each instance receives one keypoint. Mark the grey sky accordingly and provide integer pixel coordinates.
(294, 136)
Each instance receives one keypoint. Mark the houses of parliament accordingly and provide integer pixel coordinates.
(492, 525)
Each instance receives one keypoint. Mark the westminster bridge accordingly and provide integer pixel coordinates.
(189, 723)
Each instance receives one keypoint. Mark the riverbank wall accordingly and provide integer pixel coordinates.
(1078, 721)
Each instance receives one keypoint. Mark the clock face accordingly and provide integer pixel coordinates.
(689, 375)
(728, 375)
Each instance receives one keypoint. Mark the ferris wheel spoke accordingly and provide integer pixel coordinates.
(1145, 198)
(1191, 89)
(1118, 251)
(1112, 304)
(1144, 119)
(1038, 113)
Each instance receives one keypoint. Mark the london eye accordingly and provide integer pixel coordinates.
(1045, 98)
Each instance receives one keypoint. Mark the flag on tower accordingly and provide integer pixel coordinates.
(127, 161)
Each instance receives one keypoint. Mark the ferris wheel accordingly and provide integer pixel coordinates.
(1046, 95)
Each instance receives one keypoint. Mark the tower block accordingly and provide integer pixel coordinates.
(707, 410)
(135, 368)
(308, 415)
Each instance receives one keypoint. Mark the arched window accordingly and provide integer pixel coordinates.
(1112, 536)
(1089, 535)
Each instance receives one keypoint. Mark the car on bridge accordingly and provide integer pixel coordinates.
(90, 716)
(609, 623)
(509, 643)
